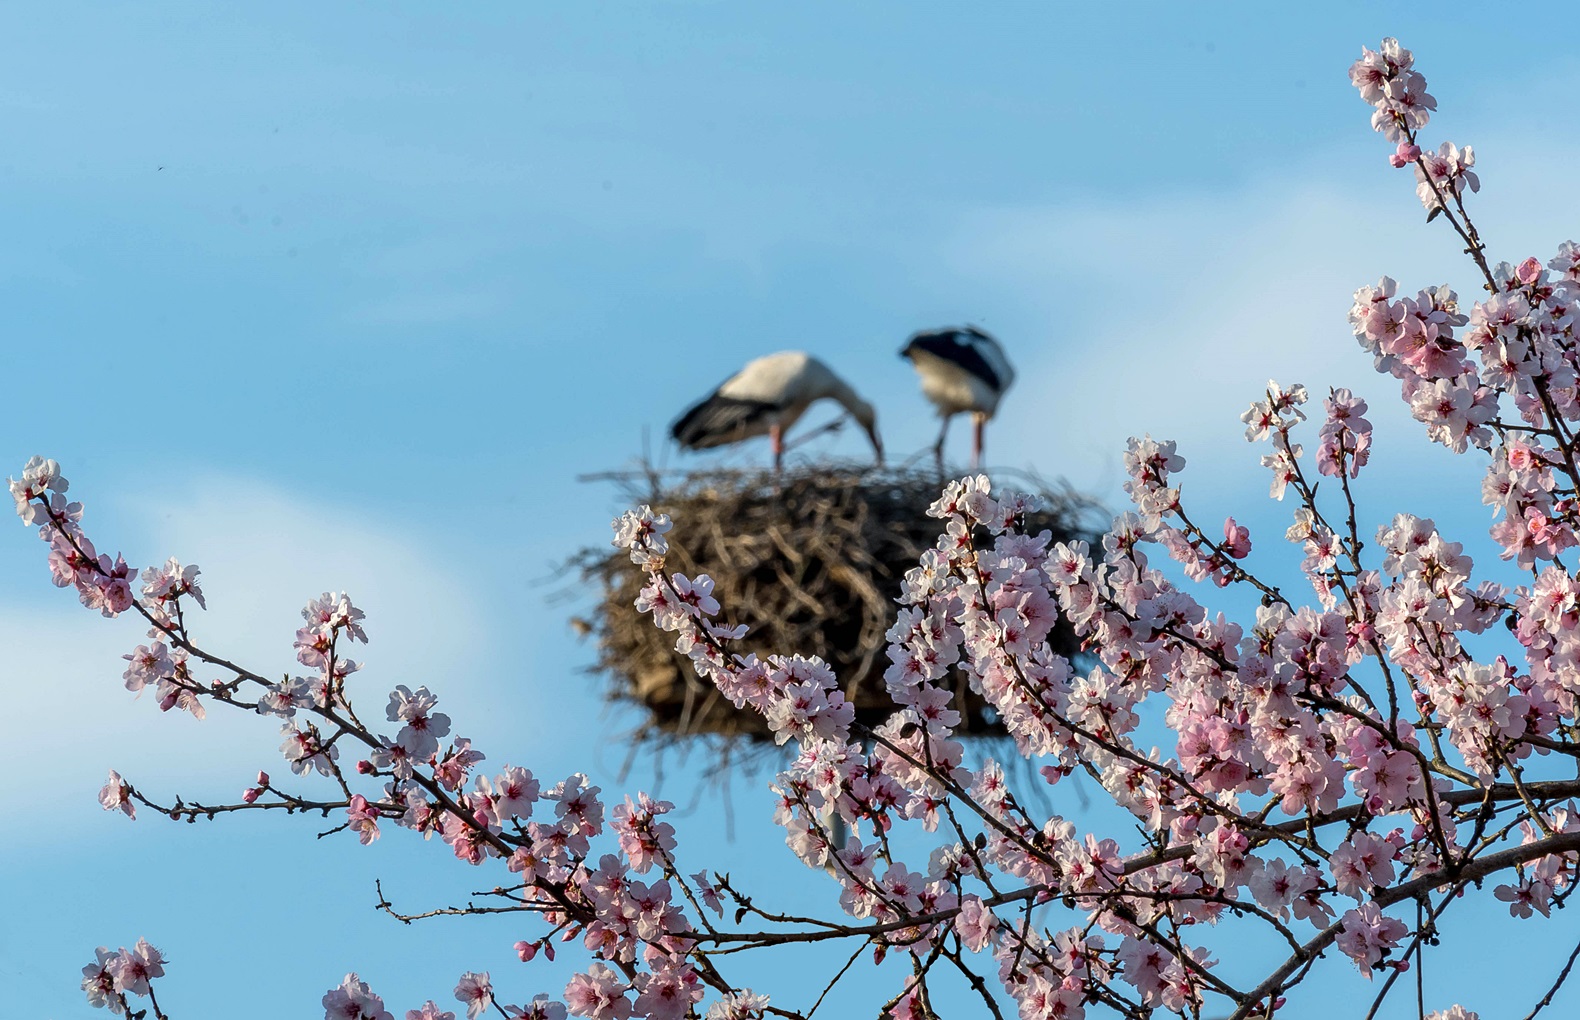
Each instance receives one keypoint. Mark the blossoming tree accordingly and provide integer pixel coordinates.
(1343, 768)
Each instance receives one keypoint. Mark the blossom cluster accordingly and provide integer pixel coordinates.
(430, 785)
(1402, 106)
(113, 975)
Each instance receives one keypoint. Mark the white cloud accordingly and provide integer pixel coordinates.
(1169, 315)
(263, 554)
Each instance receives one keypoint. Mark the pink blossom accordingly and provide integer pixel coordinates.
(117, 793)
(424, 727)
(1367, 936)
(303, 751)
(353, 1000)
(1346, 436)
(362, 818)
(908, 1006)
(540, 1008)
(98, 980)
(134, 968)
(452, 769)
(1362, 862)
(475, 992)
(515, 792)
(643, 838)
(149, 664)
(1236, 539)
(578, 808)
(667, 993)
(1445, 172)
(1535, 890)
(710, 895)
(742, 1005)
(1282, 463)
(598, 994)
(975, 923)
(170, 582)
(642, 532)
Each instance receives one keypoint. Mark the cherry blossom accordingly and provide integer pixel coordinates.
(117, 794)
(134, 968)
(354, 1000)
(99, 984)
(1368, 934)
(641, 531)
(475, 991)
(598, 994)
(362, 819)
(540, 1008)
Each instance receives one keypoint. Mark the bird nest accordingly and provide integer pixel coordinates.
(811, 561)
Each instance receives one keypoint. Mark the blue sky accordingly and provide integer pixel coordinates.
(349, 297)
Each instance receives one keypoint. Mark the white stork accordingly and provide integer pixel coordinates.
(767, 397)
(962, 369)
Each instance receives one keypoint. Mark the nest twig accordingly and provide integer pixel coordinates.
(811, 560)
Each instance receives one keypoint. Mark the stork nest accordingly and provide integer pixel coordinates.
(811, 561)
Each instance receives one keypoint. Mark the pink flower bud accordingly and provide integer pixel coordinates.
(526, 950)
(263, 779)
(1236, 539)
(1528, 272)
(1404, 155)
(250, 795)
(365, 767)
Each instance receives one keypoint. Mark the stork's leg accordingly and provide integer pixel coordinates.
(977, 421)
(776, 436)
(938, 447)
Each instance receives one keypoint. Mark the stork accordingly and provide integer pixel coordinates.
(767, 397)
(962, 369)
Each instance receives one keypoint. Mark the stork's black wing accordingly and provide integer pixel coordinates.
(959, 347)
(717, 420)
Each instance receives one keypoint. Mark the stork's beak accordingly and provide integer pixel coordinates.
(877, 444)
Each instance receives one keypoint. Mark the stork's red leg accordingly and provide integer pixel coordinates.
(776, 436)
